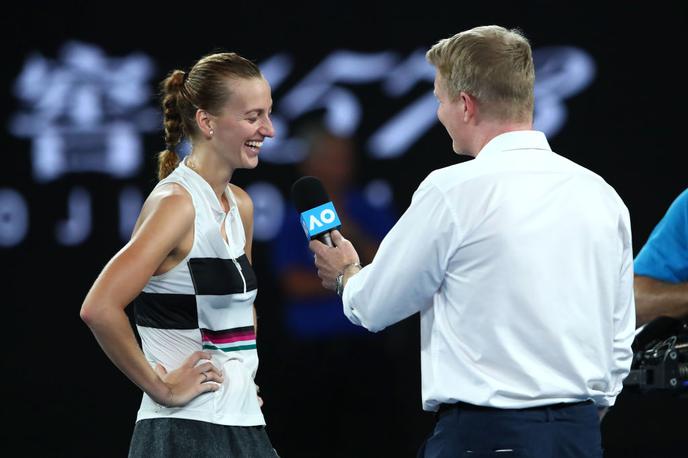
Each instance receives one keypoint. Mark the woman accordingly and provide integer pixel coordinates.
(187, 270)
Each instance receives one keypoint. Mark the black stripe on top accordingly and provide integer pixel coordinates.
(166, 311)
(249, 273)
(215, 276)
(227, 332)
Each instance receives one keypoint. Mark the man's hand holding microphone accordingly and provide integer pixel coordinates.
(335, 257)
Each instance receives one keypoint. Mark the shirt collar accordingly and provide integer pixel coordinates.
(206, 190)
(515, 140)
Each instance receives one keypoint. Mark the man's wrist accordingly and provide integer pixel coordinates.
(344, 275)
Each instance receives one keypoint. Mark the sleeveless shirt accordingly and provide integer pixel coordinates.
(205, 303)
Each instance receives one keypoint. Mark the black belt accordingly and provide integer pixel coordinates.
(472, 407)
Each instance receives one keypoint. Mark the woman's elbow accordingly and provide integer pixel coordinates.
(87, 314)
(90, 313)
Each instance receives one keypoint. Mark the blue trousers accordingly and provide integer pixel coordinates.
(557, 431)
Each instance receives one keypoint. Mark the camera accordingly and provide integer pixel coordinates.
(660, 357)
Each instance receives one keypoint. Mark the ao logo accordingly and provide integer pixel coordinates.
(326, 216)
(319, 219)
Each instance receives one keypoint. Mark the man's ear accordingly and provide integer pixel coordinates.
(469, 105)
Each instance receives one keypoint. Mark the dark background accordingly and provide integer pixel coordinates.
(338, 397)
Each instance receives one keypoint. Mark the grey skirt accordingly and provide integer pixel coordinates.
(174, 437)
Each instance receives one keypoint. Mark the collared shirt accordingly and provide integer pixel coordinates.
(521, 265)
(665, 254)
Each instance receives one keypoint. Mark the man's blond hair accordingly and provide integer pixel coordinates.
(492, 64)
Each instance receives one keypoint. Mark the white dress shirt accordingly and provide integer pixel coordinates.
(521, 265)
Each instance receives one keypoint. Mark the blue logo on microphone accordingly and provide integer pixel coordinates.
(319, 220)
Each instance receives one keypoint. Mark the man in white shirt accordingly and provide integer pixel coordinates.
(520, 263)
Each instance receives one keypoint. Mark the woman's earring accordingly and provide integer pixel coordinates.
(211, 132)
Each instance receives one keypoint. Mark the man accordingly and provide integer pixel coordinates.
(661, 267)
(519, 262)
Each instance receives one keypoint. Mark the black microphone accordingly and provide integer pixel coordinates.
(318, 216)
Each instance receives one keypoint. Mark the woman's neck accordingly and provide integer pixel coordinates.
(214, 170)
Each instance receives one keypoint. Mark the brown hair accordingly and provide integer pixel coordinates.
(205, 88)
(494, 65)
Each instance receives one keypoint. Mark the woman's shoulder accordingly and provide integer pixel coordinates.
(169, 199)
(170, 193)
(169, 205)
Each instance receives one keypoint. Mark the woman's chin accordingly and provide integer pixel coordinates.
(251, 162)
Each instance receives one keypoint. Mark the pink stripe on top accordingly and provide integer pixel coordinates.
(230, 339)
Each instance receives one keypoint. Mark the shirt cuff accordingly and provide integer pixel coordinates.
(347, 301)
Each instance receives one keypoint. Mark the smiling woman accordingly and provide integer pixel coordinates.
(187, 270)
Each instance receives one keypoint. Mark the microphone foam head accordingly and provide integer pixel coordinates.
(308, 192)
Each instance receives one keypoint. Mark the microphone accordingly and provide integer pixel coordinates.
(318, 216)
